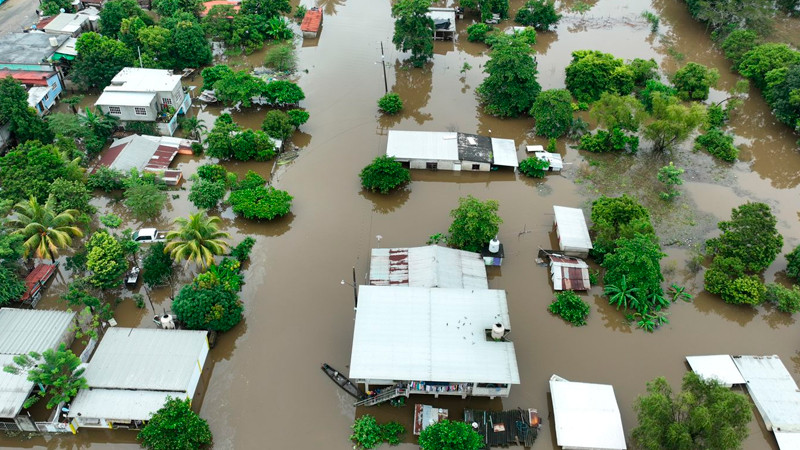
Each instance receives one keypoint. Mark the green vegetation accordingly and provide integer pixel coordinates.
(211, 302)
(25, 123)
(390, 103)
(11, 286)
(278, 125)
(252, 200)
(242, 250)
(228, 140)
(653, 19)
(670, 176)
(614, 218)
(57, 370)
(539, 14)
(196, 238)
(603, 141)
(31, 168)
(478, 32)
(206, 194)
(54, 7)
(157, 265)
(711, 416)
(175, 427)
(793, 264)
(100, 58)
(106, 179)
(450, 435)
(751, 236)
(67, 194)
(672, 122)
(590, 73)
(44, 231)
(724, 17)
(534, 167)
(737, 44)
(488, 8)
(475, 223)
(510, 88)
(694, 80)
(281, 57)
(368, 434)
(384, 175)
(105, 260)
(144, 198)
(785, 299)
(718, 143)
(413, 30)
(552, 111)
(570, 307)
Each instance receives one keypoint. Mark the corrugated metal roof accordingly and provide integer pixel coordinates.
(114, 98)
(311, 21)
(67, 23)
(145, 358)
(425, 145)
(14, 389)
(555, 160)
(419, 334)
(586, 415)
(136, 153)
(773, 391)
(504, 152)
(572, 228)
(718, 367)
(26, 330)
(428, 267)
(119, 404)
(787, 440)
(569, 275)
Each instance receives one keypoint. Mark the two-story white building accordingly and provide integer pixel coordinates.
(146, 95)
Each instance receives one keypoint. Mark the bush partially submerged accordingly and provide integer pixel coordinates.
(390, 103)
(570, 307)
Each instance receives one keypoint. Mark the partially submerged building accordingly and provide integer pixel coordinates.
(716, 367)
(451, 150)
(433, 341)
(572, 231)
(568, 273)
(586, 415)
(427, 267)
(554, 159)
(444, 23)
(23, 331)
(147, 154)
(134, 371)
(146, 95)
(312, 23)
(43, 87)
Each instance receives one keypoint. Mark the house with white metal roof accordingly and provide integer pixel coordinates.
(429, 267)
(572, 231)
(716, 367)
(147, 154)
(586, 415)
(451, 150)
(23, 331)
(554, 159)
(72, 24)
(444, 22)
(433, 341)
(146, 95)
(132, 373)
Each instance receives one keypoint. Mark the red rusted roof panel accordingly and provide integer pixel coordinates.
(38, 276)
(312, 21)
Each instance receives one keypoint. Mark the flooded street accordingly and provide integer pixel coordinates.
(263, 388)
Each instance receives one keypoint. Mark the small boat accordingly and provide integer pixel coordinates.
(132, 277)
(343, 382)
(207, 96)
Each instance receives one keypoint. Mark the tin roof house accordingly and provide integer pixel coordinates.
(44, 87)
(147, 154)
(436, 341)
(72, 25)
(572, 231)
(29, 51)
(312, 23)
(146, 95)
(427, 267)
(451, 150)
(132, 373)
(444, 23)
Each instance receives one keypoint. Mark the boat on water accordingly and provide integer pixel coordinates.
(343, 382)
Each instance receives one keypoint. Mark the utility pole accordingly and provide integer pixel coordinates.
(355, 291)
(138, 49)
(385, 83)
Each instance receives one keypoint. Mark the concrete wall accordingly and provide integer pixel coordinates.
(198, 370)
(467, 166)
(423, 164)
(129, 113)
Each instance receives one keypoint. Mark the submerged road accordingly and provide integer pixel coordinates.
(17, 14)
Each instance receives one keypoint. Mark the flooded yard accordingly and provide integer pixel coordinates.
(263, 387)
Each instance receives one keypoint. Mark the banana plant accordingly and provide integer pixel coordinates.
(623, 295)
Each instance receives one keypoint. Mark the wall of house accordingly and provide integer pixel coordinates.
(54, 83)
(198, 370)
(468, 166)
(423, 164)
(129, 113)
(495, 391)
(172, 98)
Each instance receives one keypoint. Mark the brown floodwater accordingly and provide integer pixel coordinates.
(263, 387)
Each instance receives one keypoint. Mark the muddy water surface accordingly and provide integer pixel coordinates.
(264, 389)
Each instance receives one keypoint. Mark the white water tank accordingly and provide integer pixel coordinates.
(167, 323)
(498, 331)
(53, 42)
(494, 245)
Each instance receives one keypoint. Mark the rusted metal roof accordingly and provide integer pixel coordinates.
(208, 5)
(311, 21)
(29, 77)
(569, 274)
(38, 276)
(430, 266)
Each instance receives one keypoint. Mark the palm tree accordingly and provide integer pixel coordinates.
(193, 126)
(102, 125)
(197, 239)
(44, 231)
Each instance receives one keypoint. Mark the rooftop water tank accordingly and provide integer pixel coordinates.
(494, 245)
(498, 331)
(53, 42)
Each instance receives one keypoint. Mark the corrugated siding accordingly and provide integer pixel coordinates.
(424, 145)
(118, 404)
(26, 330)
(773, 390)
(146, 358)
(572, 230)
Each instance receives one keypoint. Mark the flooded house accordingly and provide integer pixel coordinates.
(434, 341)
(427, 267)
(554, 159)
(444, 23)
(23, 331)
(312, 23)
(451, 150)
(146, 95)
(572, 231)
(44, 87)
(134, 371)
(146, 154)
(73, 25)
(568, 273)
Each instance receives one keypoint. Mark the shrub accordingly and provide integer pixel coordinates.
(384, 174)
(723, 270)
(651, 87)
(146, 128)
(300, 12)
(716, 116)
(297, 117)
(534, 167)
(670, 176)
(450, 435)
(175, 427)
(261, 203)
(282, 93)
(68, 194)
(206, 194)
(281, 57)
(552, 112)
(609, 141)
(145, 200)
(477, 32)
(751, 235)
(366, 432)
(212, 172)
(570, 307)
(786, 300)
(540, 14)
(111, 220)
(475, 223)
(746, 290)
(208, 308)
(106, 179)
(793, 264)
(242, 251)
(718, 143)
(694, 80)
(278, 125)
(157, 265)
(390, 103)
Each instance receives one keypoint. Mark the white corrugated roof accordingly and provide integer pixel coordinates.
(119, 404)
(430, 266)
(136, 154)
(773, 390)
(787, 440)
(553, 158)
(14, 389)
(586, 415)
(26, 330)
(426, 145)
(36, 94)
(113, 98)
(572, 227)
(66, 22)
(504, 152)
(68, 47)
(145, 358)
(136, 79)
(718, 367)
(410, 333)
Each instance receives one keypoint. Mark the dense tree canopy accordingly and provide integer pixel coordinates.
(693, 81)
(227, 140)
(590, 73)
(252, 199)
(751, 236)
(157, 265)
(450, 435)
(25, 123)
(759, 61)
(475, 223)
(724, 16)
(115, 11)
(175, 427)
(384, 175)
(672, 122)
(783, 94)
(144, 199)
(618, 111)
(511, 88)
(30, 169)
(413, 29)
(539, 14)
(189, 47)
(617, 217)
(105, 260)
(238, 87)
(637, 260)
(99, 59)
(552, 112)
(208, 307)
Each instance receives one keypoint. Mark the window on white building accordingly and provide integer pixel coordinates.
(140, 111)
(167, 101)
(114, 110)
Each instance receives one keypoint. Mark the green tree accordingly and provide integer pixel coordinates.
(785, 300)
(44, 230)
(249, 32)
(11, 286)
(68, 194)
(189, 47)
(670, 176)
(206, 194)
(78, 296)
(283, 93)
(793, 264)
(213, 74)
(25, 123)
(57, 370)
(166, 8)
(208, 308)
(478, 32)
(278, 125)
(618, 111)
(475, 223)
(751, 236)
(413, 30)
(218, 25)
(54, 7)
(239, 87)
(297, 117)
(725, 16)
(106, 260)
(540, 14)
(196, 238)
(672, 122)
(694, 80)
(175, 427)
(762, 59)
(637, 261)
(390, 103)
(261, 203)
(30, 169)
(510, 88)
(157, 265)
(107, 179)
(570, 307)
(737, 44)
(450, 436)
(783, 94)
(144, 199)
(590, 73)
(115, 11)
(552, 111)
(193, 126)
(384, 174)
(281, 57)
(704, 415)
(718, 143)
(534, 167)
(99, 59)
(488, 7)
(617, 217)
(266, 8)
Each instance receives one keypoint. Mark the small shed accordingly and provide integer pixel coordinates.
(69, 24)
(504, 152)
(34, 284)
(312, 23)
(572, 232)
(147, 154)
(717, 367)
(555, 159)
(586, 415)
(451, 151)
(444, 23)
(429, 267)
(569, 274)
